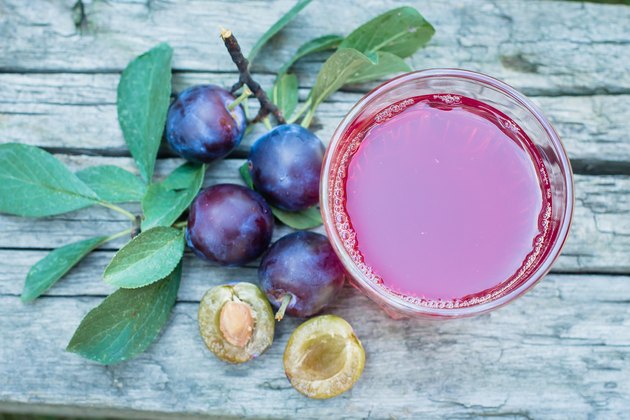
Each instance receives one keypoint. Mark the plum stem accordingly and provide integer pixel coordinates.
(245, 78)
(242, 97)
(120, 210)
(286, 299)
(118, 235)
(306, 122)
(267, 124)
(298, 114)
(181, 224)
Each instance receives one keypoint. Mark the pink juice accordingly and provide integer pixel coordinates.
(445, 201)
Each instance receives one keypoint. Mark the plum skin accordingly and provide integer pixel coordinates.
(229, 224)
(285, 166)
(304, 265)
(199, 125)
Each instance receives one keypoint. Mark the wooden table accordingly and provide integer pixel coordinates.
(562, 351)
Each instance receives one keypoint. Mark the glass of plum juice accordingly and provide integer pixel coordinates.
(446, 193)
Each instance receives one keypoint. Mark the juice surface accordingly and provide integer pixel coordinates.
(446, 199)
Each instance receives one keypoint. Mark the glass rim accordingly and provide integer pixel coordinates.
(397, 303)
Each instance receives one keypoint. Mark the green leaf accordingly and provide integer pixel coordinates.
(147, 258)
(162, 207)
(184, 176)
(400, 31)
(33, 183)
(276, 27)
(165, 202)
(386, 65)
(55, 265)
(144, 94)
(306, 219)
(113, 184)
(247, 177)
(323, 43)
(335, 72)
(285, 93)
(126, 322)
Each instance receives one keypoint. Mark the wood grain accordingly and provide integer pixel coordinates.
(559, 352)
(582, 49)
(599, 239)
(77, 113)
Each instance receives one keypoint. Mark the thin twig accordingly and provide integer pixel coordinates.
(118, 235)
(120, 210)
(137, 227)
(181, 224)
(245, 78)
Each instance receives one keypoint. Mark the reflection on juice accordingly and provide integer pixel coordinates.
(443, 200)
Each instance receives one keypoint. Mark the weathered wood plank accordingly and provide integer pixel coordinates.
(562, 351)
(51, 232)
(77, 113)
(599, 240)
(572, 362)
(583, 47)
(86, 278)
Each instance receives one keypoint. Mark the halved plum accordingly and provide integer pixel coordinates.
(236, 322)
(324, 358)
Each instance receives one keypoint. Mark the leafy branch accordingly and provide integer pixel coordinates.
(33, 183)
(245, 78)
(372, 51)
(148, 268)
